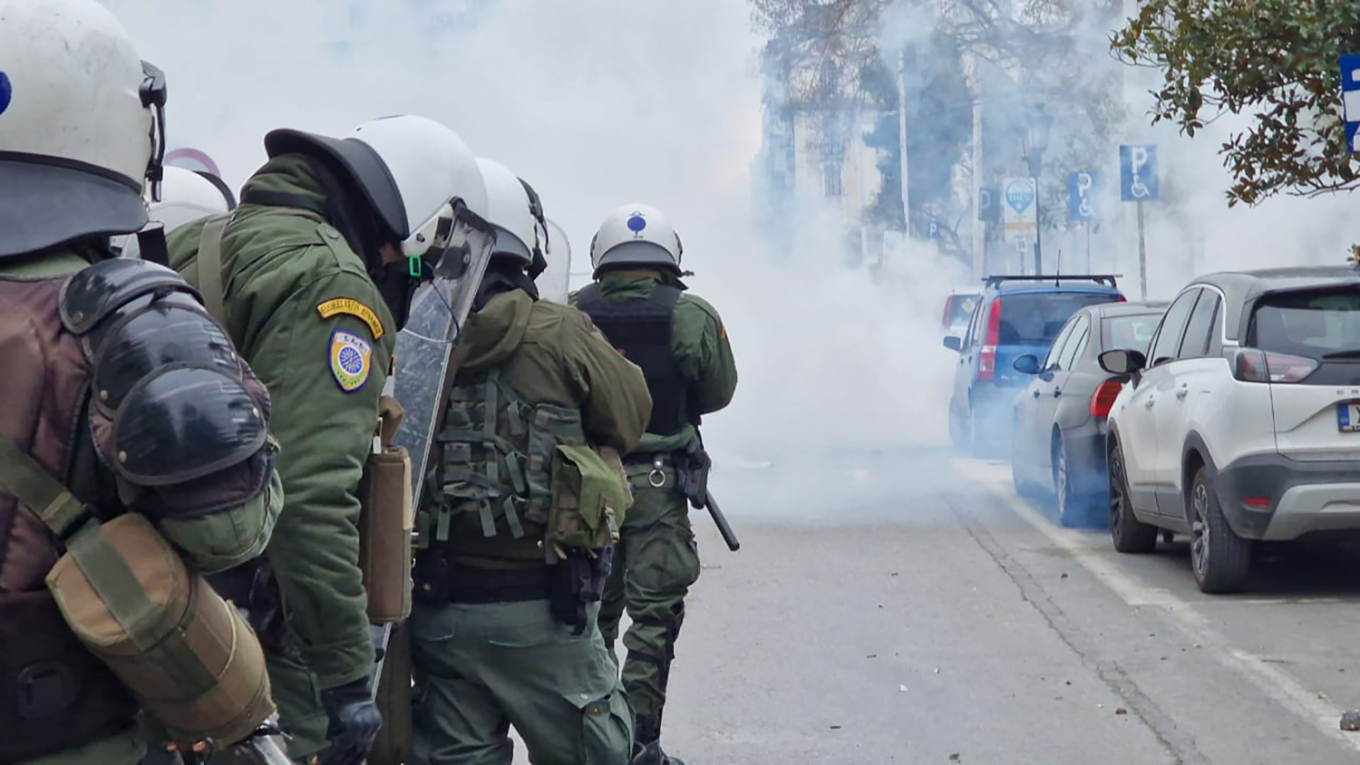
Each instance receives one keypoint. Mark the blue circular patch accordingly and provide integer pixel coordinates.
(351, 360)
(5, 92)
(637, 223)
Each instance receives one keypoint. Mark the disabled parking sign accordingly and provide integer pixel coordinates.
(1138, 173)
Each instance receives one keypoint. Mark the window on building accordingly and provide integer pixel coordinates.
(831, 179)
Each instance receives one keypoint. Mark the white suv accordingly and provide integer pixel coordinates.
(1243, 422)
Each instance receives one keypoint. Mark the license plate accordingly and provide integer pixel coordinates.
(1348, 416)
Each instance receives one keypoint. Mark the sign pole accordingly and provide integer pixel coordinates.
(1142, 253)
(1138, 183)
(1088, 247)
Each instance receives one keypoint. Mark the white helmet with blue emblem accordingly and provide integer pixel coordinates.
(639, 235)
(81, 127)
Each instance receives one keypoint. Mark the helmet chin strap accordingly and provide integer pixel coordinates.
(151, 243)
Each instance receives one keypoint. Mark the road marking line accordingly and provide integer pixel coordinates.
(1270, 679)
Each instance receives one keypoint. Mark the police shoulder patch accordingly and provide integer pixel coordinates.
(351, 359)
(352, 307)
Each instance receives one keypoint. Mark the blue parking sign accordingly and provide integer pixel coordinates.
(1138, 173)
(1350, 97)
(1082, 187)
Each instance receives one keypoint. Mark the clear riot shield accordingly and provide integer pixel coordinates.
(555, 283)
(424, 349)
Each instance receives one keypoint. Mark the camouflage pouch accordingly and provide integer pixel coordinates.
(589, 500)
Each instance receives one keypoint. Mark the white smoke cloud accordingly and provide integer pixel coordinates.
(599, 103)
(595, 103)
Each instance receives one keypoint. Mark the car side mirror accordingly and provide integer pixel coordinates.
(1027, 364)
(954, 343)
(1123, 362)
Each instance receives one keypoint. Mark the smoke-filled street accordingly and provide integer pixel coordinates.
(1019, 341)
(948, 621)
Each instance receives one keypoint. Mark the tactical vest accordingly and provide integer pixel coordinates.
(498, 456)
(642, 330)
(54, 694)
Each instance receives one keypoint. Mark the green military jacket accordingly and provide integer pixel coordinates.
(303, 311)
(548, 354)
(698, 341)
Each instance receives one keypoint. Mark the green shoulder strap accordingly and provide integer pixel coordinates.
(104, 567)
(23, 477)
(210, 268)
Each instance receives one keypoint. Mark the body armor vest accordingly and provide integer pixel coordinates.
(641, 330)
(496, 467)
(54, 694)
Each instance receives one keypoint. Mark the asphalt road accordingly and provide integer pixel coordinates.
(905, 607)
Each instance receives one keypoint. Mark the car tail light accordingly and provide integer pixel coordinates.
(1255, 365)
(1121, 299)
(948, 309)
(1256, 503)
(1103, 399)
(987, 358)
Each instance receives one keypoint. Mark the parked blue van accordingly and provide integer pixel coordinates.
(1017, 315)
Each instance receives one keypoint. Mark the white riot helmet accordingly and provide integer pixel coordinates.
(636, 235)
(420, 179)
(81, 125)
(186, 196)
(511, 212)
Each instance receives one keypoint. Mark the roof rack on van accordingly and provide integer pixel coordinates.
(992, 281)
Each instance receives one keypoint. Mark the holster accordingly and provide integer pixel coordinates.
(692, 465)
(386, 519)
(576, 581)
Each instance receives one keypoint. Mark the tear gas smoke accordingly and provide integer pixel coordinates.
(599, 104)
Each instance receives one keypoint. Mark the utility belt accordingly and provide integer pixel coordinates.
(570, 585)
(685, 470)
(651, 470)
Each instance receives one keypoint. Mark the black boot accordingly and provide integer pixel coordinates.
(647, 746)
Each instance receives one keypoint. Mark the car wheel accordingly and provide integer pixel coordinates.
(1071, 506)
(1129, 534)
(1218, 556)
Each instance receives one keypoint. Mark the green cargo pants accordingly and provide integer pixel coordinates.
(297, 693)
(480, 668)
(655, 562)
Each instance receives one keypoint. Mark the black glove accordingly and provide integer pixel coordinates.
(354, 725)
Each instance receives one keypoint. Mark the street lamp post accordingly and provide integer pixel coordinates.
(1035, 143)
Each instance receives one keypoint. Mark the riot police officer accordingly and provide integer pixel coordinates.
(312, 276)
(516, 542)
(639, 302)
(120, 390)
